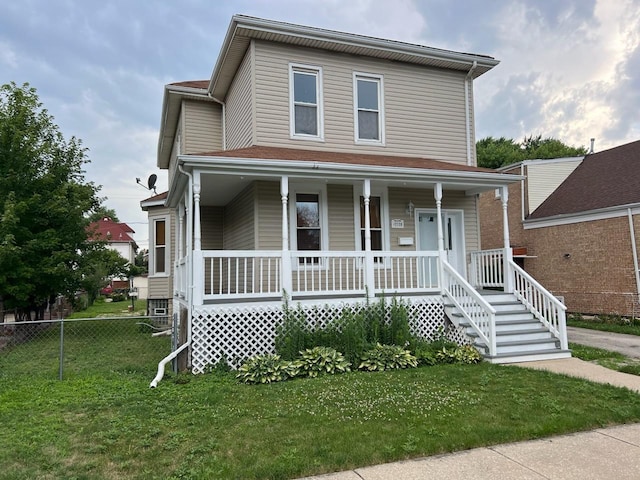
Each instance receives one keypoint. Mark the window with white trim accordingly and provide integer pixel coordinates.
(378, 215)
(305, 87)
(368, 108)
(309, 222)
(159, 264)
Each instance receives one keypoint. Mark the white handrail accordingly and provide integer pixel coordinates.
(473, 307)
(542, 303)
(486, 268)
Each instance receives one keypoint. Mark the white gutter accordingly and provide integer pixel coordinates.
(224, 119)
(176, 352)
(634, 250)
(468, 79)
(164, 361)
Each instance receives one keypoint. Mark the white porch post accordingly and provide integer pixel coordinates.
(508, 254)
(368, 254)
(198, 266)
(180, 232)
(285, 274)
(178, 277)
(437, 193)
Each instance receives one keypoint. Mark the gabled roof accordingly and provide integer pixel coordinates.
(109, 231)
(606, 179)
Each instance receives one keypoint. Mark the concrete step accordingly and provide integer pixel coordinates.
(526, 345)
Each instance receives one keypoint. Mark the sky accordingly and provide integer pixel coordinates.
(569, 69)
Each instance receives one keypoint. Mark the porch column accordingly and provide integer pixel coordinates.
(437, 193)
(285, 275)
(180, 232)
(368, 254)
(177, 245)
(508, 254)
(198, 266)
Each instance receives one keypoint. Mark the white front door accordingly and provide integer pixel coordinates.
(453, 230)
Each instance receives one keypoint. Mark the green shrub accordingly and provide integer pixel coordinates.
(387, 357)
(293, 335)
(266, 369)
(431, 353)
(467, 354)
(321, 360)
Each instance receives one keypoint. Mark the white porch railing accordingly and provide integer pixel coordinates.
(475, 309)
(487, 269)
(240, 273)
(545, 306)
(250, 274)
(181, 277)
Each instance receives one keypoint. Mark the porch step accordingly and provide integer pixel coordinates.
(520, 336)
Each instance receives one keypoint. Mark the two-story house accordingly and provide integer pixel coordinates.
(324, 168)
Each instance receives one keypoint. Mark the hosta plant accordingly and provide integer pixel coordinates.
(319, 360)
(467, 354)
(387, 357)
(266, 369)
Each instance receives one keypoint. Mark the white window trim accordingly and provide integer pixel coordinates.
(319, 189)
(293, 67)
(152, 247)
(380, 80)
(381, 192)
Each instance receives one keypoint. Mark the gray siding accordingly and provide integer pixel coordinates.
(424, 107)
(212, 221)
(269, 216)
(341, 217)
(239, 107)
(239, 221)
(203, 127)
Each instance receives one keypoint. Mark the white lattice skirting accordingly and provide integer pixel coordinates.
(236, 333)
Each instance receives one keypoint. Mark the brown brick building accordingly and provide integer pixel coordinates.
(581, 240)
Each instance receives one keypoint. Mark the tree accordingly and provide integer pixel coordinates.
(100, 264)
(102, 212)
(495, 153)
(44, 204)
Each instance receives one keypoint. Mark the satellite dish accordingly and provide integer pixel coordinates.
(152, 181)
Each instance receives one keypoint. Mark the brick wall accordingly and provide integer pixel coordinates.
(590, 264)
(491, 218)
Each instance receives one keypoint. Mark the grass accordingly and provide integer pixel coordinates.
(606, 323)
(111, 425)
(100, 308)
(606, 358)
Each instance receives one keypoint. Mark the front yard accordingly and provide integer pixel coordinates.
(111, 425)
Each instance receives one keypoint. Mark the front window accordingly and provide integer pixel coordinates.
(375, 215)
(369, 118)
(308, 230)
(160, 246)
(306, 104)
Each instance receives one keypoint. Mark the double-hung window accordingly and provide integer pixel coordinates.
(160, 251)
(309, 222)
(305, 87)
(368, 108)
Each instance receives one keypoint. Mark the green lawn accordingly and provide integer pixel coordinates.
(111, 425)
(606, 358)
(100, 308)
(606, 324)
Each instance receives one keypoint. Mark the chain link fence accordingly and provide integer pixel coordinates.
(72, 348)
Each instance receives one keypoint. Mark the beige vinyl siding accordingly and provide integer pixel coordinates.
(203, 127)
(341, 217)
(212, 222)
(451, 200)
(239, 107)
(269, 216)
(544, 177)
(162, 287)
(175, 151)
(424, 107)
(239, 214)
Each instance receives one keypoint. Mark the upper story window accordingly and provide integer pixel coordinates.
(368, 108)
(160, 253)
(305, 87)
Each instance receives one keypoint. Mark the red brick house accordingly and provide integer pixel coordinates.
(581, 242)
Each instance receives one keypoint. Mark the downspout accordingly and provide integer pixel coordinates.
(634, 251)
(224, 120)
(175, 353)
(466, 110)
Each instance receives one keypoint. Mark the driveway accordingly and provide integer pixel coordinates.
(628, 345)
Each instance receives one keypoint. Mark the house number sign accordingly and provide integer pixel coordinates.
(397, 223)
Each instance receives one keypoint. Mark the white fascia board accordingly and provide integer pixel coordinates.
(144, 205)
(271, 168)
(588, 216)
(539, 161)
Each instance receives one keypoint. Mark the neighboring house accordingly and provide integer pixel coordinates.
(580, 242)
(324, 168)
(117, 237)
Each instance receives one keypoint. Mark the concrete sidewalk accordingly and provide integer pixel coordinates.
(599, 454)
